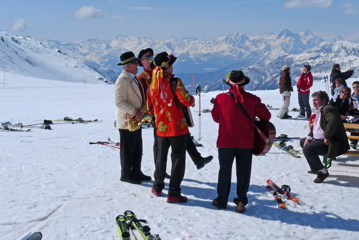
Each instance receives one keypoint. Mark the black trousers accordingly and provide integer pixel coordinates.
(130, 153)
(178, 158)
(226, 158)
(312, 151)
(191, 148)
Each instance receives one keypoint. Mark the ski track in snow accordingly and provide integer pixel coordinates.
(55, 182)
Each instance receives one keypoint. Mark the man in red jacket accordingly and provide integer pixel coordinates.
(305, 82)
(236, 138)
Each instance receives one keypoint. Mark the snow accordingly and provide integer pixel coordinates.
(55, 182)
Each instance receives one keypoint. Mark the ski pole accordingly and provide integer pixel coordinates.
(198, 92)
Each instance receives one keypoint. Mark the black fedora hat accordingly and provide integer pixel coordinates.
(128, 57)
(236, 77)
(163, 60)
(142, 52)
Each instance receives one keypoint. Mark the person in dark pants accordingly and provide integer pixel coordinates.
(129, 99)
(305, 82)
(236, 138)
(145, 56)
(328, 136)
(171, 125)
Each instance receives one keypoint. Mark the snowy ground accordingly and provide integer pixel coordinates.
(55, 182)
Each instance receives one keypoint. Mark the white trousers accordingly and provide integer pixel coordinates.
(286, 102)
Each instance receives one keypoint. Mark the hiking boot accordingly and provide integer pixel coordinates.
(142, 177)
(321, 177)
(158, 194)
(240, 207)
(130, 180)
(215, 203)
(176, 199)
(203, 161)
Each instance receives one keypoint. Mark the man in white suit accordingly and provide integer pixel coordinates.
(129, 98)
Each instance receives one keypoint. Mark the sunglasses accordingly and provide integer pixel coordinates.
(346, 94)
(147, 57)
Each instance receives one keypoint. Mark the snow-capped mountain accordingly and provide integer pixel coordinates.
(30, 57)
(260, 57)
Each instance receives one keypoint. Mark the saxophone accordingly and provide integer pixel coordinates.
(134, 124)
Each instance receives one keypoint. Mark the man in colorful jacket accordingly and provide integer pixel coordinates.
(305, 82)
(171, 125)
(236, 138)
(145, 56)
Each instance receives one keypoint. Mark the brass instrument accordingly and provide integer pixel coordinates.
(134, 124)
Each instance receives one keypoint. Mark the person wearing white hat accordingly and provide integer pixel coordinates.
(285, 89)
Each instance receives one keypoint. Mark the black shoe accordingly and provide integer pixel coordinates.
(286, 117)
(167, 176)
(144, 178)
(321, 177)
(203, 161)
(215, 203)
(129, 180)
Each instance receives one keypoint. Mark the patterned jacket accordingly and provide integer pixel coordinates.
(170, 120)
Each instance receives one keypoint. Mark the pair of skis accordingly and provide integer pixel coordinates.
(287, 149)
(279, 192)
(129, 227)
(108, 143)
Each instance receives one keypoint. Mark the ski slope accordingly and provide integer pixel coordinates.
(55, 182)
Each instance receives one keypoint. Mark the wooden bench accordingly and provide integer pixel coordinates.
(351, 127)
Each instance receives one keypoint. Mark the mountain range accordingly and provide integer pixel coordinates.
(208, 61)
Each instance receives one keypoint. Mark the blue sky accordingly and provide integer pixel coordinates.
(76, 20)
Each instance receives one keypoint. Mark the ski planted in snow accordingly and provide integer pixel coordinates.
(277, 197)
(284, 190)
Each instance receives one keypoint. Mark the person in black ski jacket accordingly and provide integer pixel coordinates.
(336, 73)
(342, 102)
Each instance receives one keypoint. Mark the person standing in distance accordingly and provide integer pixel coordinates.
(285, 89)
(336, 73)
(305, 82)
(129, 98)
